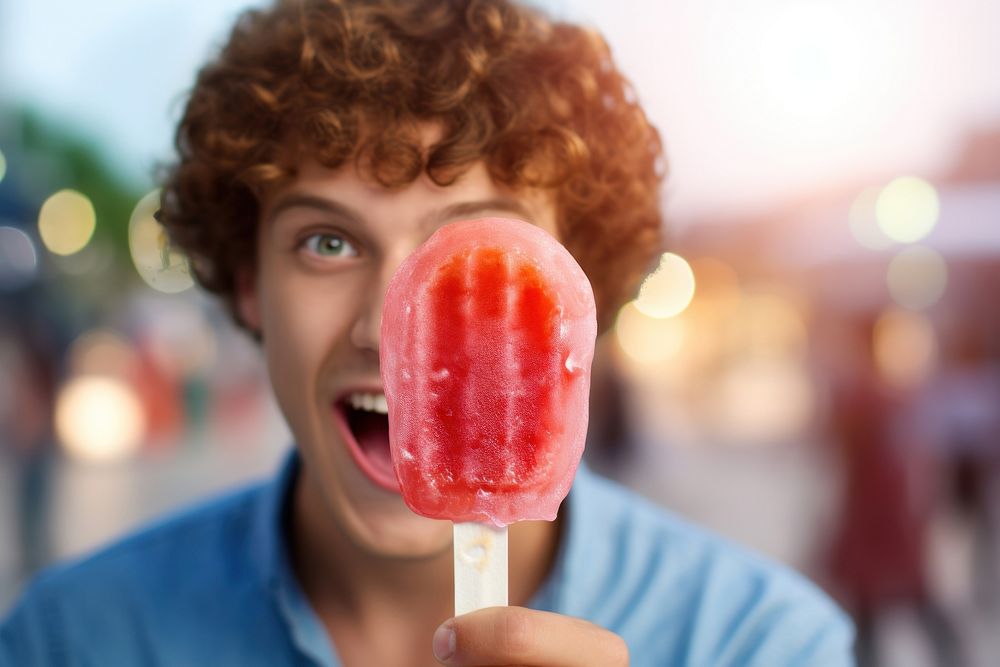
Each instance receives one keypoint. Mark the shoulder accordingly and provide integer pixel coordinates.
(683, 594)
(159, 576)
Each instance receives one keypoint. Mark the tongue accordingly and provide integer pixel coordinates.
(371, 430)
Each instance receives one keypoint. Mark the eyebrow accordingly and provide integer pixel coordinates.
(452, 211)
(313, 202)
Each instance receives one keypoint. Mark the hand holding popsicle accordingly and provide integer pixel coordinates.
(487, 339)
(527, 637)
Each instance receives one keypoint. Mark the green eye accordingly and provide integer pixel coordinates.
(329, 245)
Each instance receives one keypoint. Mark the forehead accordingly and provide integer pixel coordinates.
(422, 201)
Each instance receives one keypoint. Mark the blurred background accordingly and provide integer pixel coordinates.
(813, 371)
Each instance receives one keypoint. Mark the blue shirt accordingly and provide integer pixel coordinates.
(213, 586)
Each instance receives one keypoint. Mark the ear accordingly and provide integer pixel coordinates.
(248, 298)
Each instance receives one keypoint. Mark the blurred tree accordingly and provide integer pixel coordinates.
(44, 156)
(61, 158)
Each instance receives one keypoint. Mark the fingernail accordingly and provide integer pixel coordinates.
(444, 641)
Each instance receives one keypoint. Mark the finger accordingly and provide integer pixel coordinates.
(519, 636)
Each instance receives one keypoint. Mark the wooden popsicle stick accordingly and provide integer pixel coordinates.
(480, 567)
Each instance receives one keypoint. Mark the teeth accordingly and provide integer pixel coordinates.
(369, 402)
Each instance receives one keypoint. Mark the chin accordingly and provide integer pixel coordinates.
(369, 512)
(345, 453)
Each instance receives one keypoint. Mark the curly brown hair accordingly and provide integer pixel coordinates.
(540, 102)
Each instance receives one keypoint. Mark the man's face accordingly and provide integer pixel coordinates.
(328, 244)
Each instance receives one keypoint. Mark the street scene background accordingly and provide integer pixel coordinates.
(813, 370)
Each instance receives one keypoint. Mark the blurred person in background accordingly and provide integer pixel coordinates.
(326, 141)
(961, 408)
(27, 393)
(878, 553)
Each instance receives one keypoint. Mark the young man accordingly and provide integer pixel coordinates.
(326, 142)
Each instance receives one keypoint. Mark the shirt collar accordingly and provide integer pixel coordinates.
(267, 541)
(270, 549)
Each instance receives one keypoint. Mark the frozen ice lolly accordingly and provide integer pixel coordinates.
(487, 339)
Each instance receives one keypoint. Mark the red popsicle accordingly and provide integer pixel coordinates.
(487, 340)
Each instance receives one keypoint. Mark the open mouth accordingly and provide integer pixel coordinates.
(364, 420)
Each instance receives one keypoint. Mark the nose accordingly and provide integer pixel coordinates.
(366, 331)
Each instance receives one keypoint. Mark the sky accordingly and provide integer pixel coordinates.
(757, 100)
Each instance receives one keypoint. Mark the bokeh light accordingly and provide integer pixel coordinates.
(101, 352)
(716, 280)
(864, 222)
(18, 259)
(710, 314)
(668, 290)
(66, 222)
(917, 277)
(907, 209)
(771, 325)
(3, 165)
(763, 401)
(99, 419)
(645, 339)
(162, 267)
(905, 347)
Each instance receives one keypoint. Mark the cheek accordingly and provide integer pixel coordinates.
(304, 320)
